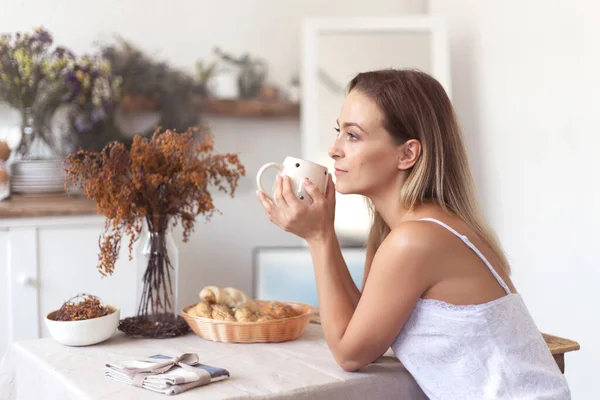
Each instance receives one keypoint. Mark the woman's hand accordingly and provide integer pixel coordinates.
(306, 221)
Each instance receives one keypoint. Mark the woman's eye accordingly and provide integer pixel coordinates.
(349, 135)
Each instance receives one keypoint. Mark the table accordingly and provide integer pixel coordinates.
(300, 369)
(558, 346)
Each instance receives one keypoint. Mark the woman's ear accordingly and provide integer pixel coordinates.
(408, 154)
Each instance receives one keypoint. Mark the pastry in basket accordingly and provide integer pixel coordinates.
(232, 297)
(278, 310)
(244, 314)
(209, 294)
(192, 312)
(203, 309)
(264, 318)
(222, 312)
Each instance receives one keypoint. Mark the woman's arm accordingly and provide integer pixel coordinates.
(399, 274)
(370, 253)
(353, 291)
(336, 304)
(358, 336)
(344, 276)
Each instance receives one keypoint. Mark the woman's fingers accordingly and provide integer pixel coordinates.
(279, 199)
(330, 190)
(314, 192)
(270, 209)
(288, 193)
(292, 214)
(266, 203)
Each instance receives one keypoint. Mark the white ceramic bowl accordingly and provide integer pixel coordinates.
(85, 332)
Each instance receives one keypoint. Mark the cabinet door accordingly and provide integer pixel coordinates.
(3, 291)
(22, 280)
(68, 256)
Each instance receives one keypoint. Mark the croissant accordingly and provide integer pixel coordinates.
(209, 294)
(231, 297)
(204, 309)
(278, 310)
(244, 314)
(264, 318)
(222, 312)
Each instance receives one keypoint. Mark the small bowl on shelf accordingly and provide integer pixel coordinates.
(84, 332)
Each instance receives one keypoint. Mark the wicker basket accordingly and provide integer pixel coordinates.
(279, 330)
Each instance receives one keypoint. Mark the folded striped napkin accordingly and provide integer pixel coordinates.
(163, 374)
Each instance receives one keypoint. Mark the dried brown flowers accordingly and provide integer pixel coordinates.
(163, 179)
(88, 307)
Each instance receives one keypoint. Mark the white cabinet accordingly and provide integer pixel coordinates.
(48, 260)
(4, 328)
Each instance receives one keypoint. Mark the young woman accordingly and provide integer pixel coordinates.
(436, 286)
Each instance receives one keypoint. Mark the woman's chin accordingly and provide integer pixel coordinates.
(343, 189)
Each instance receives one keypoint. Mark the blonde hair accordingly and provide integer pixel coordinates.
(416, 106)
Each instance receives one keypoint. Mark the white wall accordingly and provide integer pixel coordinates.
(525, 81)
(182, 31)
(336, 56)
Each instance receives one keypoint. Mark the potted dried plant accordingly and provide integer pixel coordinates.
(143, 192)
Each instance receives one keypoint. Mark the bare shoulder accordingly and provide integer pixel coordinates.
(411, 250)
(415, 236)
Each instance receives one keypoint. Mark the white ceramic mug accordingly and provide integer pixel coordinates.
(297, 169)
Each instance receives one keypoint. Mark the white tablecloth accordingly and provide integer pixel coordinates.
(299, 369)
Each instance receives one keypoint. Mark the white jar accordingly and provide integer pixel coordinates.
(224, 85)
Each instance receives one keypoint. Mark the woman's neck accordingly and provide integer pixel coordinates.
(389, 206)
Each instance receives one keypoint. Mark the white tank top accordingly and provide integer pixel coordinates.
(485, 351)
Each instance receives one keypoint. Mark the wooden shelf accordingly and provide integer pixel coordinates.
(251, 108)
(19, 206)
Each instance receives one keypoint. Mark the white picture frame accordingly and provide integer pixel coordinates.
(423, 37)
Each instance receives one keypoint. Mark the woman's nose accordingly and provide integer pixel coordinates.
(334, 151)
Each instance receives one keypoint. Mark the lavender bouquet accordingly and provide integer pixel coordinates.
(38, 81)
(28, 66)
(93, 90)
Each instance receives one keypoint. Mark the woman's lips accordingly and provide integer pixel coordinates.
(339, 172)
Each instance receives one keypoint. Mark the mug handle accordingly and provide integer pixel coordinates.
(260, 173)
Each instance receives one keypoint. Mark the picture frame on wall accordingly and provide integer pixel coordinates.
(334, 50)
(287, 274)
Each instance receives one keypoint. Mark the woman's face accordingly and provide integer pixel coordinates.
(365, 154)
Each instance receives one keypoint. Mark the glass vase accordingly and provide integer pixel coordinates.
(33, 145)
(157, 271)
(27, 132)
